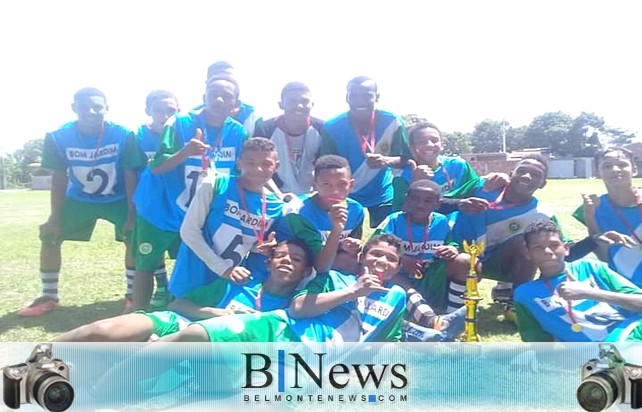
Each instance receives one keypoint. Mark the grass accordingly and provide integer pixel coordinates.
(93, 280)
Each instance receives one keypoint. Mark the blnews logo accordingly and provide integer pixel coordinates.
(318, 379)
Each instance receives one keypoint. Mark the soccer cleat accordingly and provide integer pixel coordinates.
(502, 292)
(39, 307)
(160, 300)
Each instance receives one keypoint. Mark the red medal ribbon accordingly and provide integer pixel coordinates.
(367, 141)
(569, 306)
(280, 123)
(258, 299)
(620, 215)
(262, 222)
(495, 205)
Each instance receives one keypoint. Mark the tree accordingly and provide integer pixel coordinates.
(25, 158)
(583, 137)
(487, 137)
(456, 143)
(618, 137)
(551, 130)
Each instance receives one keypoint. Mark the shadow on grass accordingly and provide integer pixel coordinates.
(64, 318)
(487, 317)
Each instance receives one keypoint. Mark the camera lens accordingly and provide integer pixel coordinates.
(597, 392)
(53, 392)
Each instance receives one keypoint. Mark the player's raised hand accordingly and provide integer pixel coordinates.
(351, 245)
(446, 252)
(612, 237)
(237, 274)
(495, 181)
(420, 172)
(368, 283)
(338, 216)
(573, 290)
(473, 205)
(267, 246)
(196, 146)
(376, 160)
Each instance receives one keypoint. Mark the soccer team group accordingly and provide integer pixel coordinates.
(264, 219)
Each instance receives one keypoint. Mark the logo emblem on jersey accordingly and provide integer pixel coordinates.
(145, 248)
(384, 148)
(514, 226)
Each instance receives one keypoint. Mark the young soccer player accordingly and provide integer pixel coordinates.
(192, 146)
(228, 217)
(431, 260)
(290, 262)
(498, 218)
(374, 141)
(297, 138)
(449, 173)
(619, 212)
(583, 301)
(160, 105)
(94, 163)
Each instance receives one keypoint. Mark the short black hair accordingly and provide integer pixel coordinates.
(300, 243)
(330, 162)
(294, 86)
(156, 95)
(539, 158)
(389, 238)
(260, 144)
(599, 155)
(227, 79)
(421, 125)
(89, 92)
(361, 79)
(218, 68)
(424, 184)
(540, 226)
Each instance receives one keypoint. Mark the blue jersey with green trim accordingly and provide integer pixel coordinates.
(147, 141)
(628, 221)
(372, 187)
(419, 241)
(231, 229)
(93, 162)
(599, 321)
(499, 223)
(367, 319)
(246, 115)
(163, 200)
(450, 174)
(251, 296)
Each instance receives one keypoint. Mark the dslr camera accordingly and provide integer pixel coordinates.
(41, 379)
(609, 380)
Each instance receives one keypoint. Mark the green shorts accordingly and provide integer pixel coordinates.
(492, 267)
(166, 322)
(434, 285)
(251, 327)
(78, 219)
(150, 244)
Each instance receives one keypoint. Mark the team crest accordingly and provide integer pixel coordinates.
(384, 148)
(514, 226)
(145, 248)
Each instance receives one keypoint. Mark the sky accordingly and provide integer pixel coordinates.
(453, 62)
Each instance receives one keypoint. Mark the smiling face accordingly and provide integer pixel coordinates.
(257, 166)
(421, 202)
(289, 264)
(361, 98)
(547, 251)
(296, 104)
(381, 257)
(527, 177)
(425, 144)
(616, 169)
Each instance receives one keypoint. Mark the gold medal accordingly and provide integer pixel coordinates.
(576, 327)
(419, 274)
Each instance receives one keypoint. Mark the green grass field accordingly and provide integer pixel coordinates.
(93, 280)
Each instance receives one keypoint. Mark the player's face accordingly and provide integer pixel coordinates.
(220, 98)
(362, 97)
(426, 144)
(258, 166)
(90, 110)
(289, 263)
(296, 104)
(616, 169)
(346, 261)
(528, 176)
(161, 110)
(333, 185)
(419, 203)
(547, 251)
(382, 258)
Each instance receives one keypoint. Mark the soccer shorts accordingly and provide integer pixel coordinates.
(78, 219)
(166, 322)
(252, 327)
(150, 244)
(492, 267)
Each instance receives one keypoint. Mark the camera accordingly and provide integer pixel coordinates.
(609, 380)
(41, 379)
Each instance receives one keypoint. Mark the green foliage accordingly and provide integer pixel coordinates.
(456, 143)
(550, 130)
(22, 164)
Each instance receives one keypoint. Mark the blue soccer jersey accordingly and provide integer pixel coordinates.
(94, 164)
(451, 173)
(163, 201)
(233, 222)
(372, 187)
(628, 221)
(598, 321)
(418, 241)
(373, 318)
(499, 223)
(148, 141)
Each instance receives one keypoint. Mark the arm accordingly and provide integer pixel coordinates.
(170, 154)
(573, 290)
(338, 216)
(59, 182)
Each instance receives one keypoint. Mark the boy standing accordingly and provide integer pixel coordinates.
(297, 138)
(94, 164)
(583, 301)
(373, 141)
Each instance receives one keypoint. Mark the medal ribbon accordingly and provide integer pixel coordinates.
(258, 299)
(569, 306)
(620, 215)
(367, 141)
(280, 122)
(259, 235)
